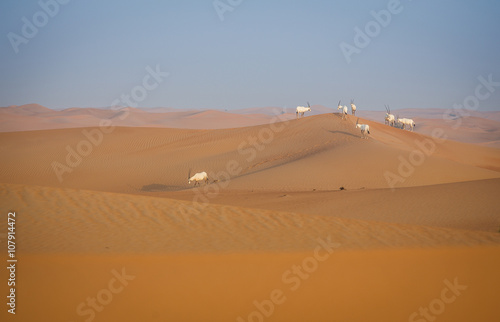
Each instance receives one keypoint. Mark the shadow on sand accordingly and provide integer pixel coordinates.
(156, 187)
(343, 132)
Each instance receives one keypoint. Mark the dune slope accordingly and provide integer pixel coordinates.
(78, 221)
(277, 222)
(319, 152)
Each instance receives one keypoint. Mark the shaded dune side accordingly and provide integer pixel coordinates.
(77, 221)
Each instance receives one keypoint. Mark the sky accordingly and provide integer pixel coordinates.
(233, 54)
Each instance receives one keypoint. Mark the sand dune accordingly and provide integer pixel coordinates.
(73, 221)
(164, 263)
(123, 206)
(316, 109)
(471, 205)
(318, 152)
(36, 117)
(474, 127)
(297, 165)
(443, 114)
(28, 109)
(477, 127)
(469, 130)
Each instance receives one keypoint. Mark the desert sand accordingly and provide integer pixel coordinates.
(299, 222)
(476, 127)
(37, 117)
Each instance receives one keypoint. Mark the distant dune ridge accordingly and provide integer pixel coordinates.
(36, 117)
(478, 127)
(305, 207)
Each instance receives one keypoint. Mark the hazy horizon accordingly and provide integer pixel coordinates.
(288, 109)
(248, 54)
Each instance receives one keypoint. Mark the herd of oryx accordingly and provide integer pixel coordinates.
(396, 121)
(390, 119)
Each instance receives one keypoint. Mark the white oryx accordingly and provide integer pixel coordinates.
(389, 118)
(198, 177)
(302, 109)
(365, 129)
(405, 122)
(344, 110)
(353, 107)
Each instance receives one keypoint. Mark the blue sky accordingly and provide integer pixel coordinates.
(264, 53)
